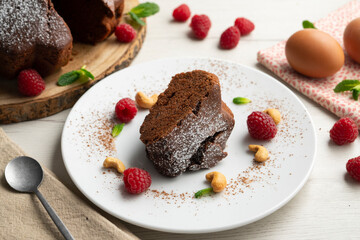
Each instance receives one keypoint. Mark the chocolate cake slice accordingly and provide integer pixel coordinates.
(32, 34)
(188, 127)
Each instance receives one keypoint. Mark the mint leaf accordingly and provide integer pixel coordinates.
(308, 24)
(346, 85)
(241, 100)
(203, 192)
(145, 9)
(87, 73)
(68, 78)
(117, 129)
(136, 19)
(349, 85)
(355, 94)
(71, 77)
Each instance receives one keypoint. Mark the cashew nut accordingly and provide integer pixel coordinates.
(218, 181)
(261, 153)
(114, 163)
(144, 101)
(274, 114)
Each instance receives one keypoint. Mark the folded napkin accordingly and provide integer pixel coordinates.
(22, 216)
(321, 90)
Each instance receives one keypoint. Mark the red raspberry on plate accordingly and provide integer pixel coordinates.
(125, 33)
(30, 83)
(230, 38)
(261, 126)
(181, 13)
(244, 25)
(353, 168)
(200, 24)
(136, 180)
(344, 131)
(125, 110)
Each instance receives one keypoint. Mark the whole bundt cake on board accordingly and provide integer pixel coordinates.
(32, 34)
(90, 21)
(188, 127)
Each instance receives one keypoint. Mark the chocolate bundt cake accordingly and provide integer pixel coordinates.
(188, 127)
(32, 34)
(90, 21)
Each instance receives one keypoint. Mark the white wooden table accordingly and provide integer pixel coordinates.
(328, 207)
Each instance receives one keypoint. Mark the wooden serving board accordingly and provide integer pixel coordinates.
(101, 60)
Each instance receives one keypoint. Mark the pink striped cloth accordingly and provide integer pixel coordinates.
(321, 90)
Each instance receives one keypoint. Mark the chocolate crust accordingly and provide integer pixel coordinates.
(188, 127)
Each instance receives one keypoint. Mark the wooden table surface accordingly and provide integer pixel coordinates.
(328, 206)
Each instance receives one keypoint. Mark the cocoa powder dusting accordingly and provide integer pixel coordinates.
(96, 135)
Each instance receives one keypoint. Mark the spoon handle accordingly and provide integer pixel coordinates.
(60, 225)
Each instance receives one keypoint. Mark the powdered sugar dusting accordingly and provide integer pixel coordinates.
(25, 23)
(171, 155)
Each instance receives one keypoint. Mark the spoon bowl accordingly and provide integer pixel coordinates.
(24, 174)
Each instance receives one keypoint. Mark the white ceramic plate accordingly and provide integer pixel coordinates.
(254, 191)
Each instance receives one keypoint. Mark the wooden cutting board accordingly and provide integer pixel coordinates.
(101, 60)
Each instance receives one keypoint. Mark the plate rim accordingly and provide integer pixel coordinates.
(205, 230)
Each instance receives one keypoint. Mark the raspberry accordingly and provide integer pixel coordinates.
(200, 24)
(244, 25)
(344, 131)
(181, 13)
(125, 33)
(30, 83)
(353, 168)
(230, 38)
(125, 110)
(136, 180)
(261, 126)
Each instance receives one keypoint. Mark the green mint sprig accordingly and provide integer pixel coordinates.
(70, 77)
(241, 100)
(203, 192)
(349, 85)
(308, 24)
(143, 10)
(117, 129)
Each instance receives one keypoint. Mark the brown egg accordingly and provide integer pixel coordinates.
(352, 39)
(314, 53)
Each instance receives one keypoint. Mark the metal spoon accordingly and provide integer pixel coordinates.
(25, 174)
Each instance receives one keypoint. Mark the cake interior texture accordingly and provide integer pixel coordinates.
(188, 127)
(182, 97)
